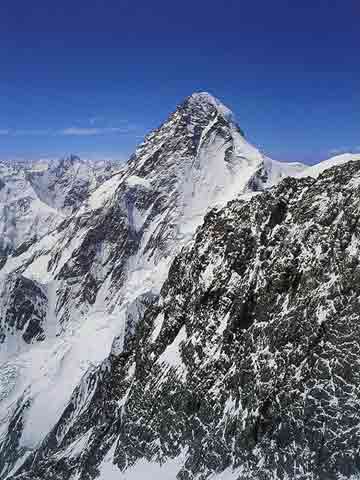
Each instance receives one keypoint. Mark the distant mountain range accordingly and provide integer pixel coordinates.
(36, 197)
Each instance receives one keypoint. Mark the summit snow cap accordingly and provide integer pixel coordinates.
(204, 100)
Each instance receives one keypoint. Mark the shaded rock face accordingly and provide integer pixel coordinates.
(249, 359)
(10, 447)
(23, 309)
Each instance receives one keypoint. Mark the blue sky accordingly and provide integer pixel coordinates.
(92, 77)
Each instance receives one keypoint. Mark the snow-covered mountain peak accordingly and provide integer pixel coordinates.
(36, 197)
(67, 182)
(69, 161)
(209, 104)
(195, 124)
(70, 165)
(93, 276)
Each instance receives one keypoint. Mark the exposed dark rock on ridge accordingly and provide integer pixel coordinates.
(23, 308)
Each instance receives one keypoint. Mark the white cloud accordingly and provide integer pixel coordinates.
(31, 132)
(24, 132)
(70, 131)
(79, 131)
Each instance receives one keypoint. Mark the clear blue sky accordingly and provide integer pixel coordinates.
(91, 77)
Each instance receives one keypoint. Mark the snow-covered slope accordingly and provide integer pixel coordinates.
(121, 241)
(34, 199)
(246, 366)
(316, 170)
(104, 266)
(67, 182)
(24, 217)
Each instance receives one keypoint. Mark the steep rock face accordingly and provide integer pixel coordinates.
(23, 308)
(249, 360)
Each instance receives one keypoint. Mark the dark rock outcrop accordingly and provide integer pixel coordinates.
(23, 308)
